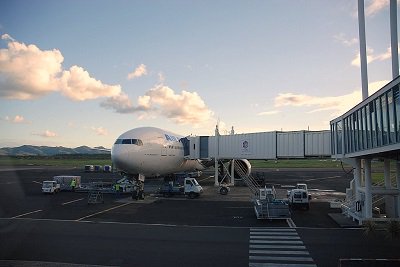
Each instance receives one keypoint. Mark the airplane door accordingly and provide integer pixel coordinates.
(164, 151)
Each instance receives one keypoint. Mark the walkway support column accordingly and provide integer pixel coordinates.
(216, 183)
(390, 207)
(368, 189)
(233, 172)
(357, 178)
(398, 187)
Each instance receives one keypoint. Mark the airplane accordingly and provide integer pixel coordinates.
(153, 152)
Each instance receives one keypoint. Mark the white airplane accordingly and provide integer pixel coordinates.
(150, 151)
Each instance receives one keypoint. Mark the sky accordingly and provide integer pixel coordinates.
(78, 73)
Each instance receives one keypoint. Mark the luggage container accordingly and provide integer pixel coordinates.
(65, 181)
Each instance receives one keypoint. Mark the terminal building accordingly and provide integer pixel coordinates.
(370, 133)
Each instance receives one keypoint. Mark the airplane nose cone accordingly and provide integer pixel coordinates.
(120, 157)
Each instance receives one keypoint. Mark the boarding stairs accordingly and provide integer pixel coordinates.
(266, 206)
(249, 180)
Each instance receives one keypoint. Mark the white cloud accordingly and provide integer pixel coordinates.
(122, 104)
(46, 134)
(77, 84)
(267, 113)
(16, 119)
(27, 72)
(100, 131)
(374, 6)
(184, 108)
(138, 72)
(337, 104)
(341, 38)
(371, 57)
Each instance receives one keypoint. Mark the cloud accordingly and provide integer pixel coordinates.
(27, 72)
(16, 119)
(184, 108)
(371, 57)
(100, 131)
(375, 6)
(46, 134)
(77, 84)
(122, 104)
(267, 113)
(341, 38)
(337, 104)
(138, 72)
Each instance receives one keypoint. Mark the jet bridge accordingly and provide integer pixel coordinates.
(263, 145)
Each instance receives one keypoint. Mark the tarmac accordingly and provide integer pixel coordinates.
(215, 229)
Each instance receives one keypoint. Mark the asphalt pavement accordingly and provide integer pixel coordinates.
(212, 230)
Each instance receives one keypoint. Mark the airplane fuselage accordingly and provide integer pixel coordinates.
(151, 152)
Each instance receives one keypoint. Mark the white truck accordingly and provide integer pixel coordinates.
(50, 187)
(299, 198)
(190, 188)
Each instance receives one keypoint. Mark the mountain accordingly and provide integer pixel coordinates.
(28, 150)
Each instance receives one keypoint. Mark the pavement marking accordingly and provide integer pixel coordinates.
(272, 229)
(279, 252)
(273, 233)
(291, 223)
(72, 201)
(36, 182)
(276, 258)
(35, 211)
(274, 237)
(281, 265)
(277, 247)
(100, 212)
(322, 178)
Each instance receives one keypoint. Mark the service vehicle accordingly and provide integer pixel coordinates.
(299, 198)
(50, 187)
(65, 181)
(190, 188)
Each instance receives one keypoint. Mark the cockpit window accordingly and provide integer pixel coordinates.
(137, 142)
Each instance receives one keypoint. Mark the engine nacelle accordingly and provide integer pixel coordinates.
(242, 167)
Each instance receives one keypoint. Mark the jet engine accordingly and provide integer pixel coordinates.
(242, 167)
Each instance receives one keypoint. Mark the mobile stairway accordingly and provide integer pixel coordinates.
(266, 205)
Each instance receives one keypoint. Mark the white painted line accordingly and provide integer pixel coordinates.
(36, 182)
(276, 258)
(277, 247)
(275, 237)
(276, 242)
(322, 178)
(291, 223)
(26, 214)
(72, 201)
(100, 212)
(270, 264)
(273, 229)
(279, 252)
(274, 233)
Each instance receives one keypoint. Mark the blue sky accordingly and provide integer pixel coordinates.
(82, 72)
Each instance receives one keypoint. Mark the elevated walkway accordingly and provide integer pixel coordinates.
(263, 145)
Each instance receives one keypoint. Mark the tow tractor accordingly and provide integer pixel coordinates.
(190, 188)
